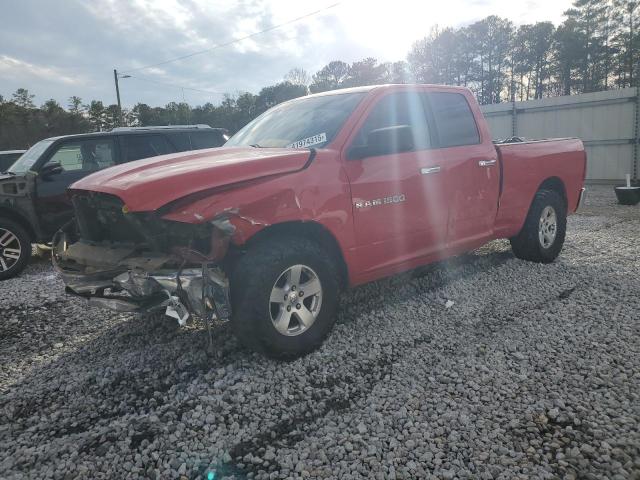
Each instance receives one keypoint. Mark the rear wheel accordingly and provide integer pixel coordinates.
(15, 248)
(542, 236)
(284, 294)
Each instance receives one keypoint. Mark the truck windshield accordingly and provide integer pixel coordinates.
(302, 123)
(28, 158)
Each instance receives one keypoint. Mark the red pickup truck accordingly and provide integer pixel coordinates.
(316, 195)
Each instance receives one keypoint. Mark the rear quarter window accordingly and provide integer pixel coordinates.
(454, 120)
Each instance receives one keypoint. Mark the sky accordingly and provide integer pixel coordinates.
(70, 47)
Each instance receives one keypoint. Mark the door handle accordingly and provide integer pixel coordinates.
(427, 171)
(487, 163)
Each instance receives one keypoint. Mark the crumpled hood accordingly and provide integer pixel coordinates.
(10, 176)
(146, 185)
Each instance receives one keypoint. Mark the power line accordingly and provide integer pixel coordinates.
(173, 85)
(231, 42)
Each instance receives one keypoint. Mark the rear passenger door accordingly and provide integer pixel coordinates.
(136, 147)
(473, 175)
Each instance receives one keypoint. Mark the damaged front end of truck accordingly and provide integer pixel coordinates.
(140, 262)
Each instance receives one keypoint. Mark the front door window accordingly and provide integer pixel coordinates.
(85, 156)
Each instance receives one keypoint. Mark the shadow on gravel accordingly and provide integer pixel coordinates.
(363, 300)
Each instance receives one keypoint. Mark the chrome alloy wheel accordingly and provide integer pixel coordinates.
(547, 227)
(10, 249)
(295, 302)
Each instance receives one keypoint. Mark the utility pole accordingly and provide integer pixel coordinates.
(115, 78)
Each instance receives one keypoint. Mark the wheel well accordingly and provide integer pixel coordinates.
(557, 185)
(19, 219)
(312, 231)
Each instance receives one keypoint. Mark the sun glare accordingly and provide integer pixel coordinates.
(386, 30)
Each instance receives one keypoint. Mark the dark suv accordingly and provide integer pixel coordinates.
(33, 200)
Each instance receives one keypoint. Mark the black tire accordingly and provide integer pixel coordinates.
(9, 266)
(252, 281)
(527, 245)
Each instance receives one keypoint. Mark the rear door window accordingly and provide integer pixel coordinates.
(180, 141)
(137, 147)
(206, 139)
(454, 120)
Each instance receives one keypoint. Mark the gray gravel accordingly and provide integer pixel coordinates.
(533, 372)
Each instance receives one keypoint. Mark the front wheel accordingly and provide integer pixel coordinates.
(284, 294)
(543, 233)
(15, 248)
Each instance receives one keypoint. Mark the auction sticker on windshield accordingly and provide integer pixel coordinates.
(309, 141)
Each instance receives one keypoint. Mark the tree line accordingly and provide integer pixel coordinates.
(594, 49)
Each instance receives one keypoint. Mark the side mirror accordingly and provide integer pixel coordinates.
(385, 141)
(50, 169)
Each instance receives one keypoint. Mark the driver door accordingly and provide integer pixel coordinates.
(399, 200)
(78, 158)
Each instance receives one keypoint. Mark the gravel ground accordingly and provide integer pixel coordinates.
(533, 372)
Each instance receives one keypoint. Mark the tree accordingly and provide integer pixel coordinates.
(590, 23)
(427, 56)
(521, 62)
(531, 57)
(54, 116)
(399, 72)
(492, 39)
(298, 76)
(144, 114)
(74, 104)
(23, 98)
(278, 93)
(330, 77)
(625, 40)
(246, 110)
(367, 72)
(96, 114)
(444, 56)
(112, 117)
(568, 51)
(176, 114)
(22, 123)
(464, 56)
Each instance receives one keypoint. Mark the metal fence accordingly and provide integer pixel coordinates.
(607, 123)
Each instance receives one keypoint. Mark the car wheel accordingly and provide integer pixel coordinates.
(15, 248)
(284, 294)
(542, 236)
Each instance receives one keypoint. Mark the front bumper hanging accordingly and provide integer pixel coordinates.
(125, 286)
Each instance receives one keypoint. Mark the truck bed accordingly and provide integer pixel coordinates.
(525, 166)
